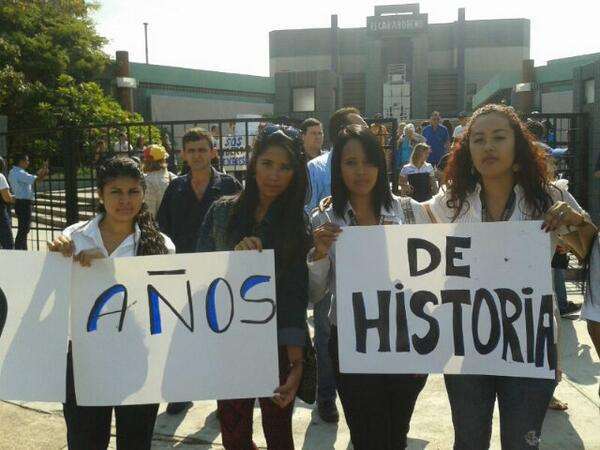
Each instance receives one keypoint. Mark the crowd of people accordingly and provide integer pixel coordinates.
(297, 199)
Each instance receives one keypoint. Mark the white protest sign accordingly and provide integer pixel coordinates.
(34, 318)
(452, 298)
(175, 328)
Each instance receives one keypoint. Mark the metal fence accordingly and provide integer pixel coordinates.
(68, 194)
(570, 131)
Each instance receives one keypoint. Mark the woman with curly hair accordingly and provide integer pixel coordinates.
(497, 173)
(124, 227)
(269, 214)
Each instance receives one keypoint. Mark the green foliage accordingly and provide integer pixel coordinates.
(50, 61)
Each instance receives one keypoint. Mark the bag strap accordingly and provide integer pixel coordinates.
(430, 213)
(407, 209)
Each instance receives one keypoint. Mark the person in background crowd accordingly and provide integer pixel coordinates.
(138, 150)
(269, 214)
(157, 176)
(188, 198)
(591, 306)
(380, 130)
(417, 178)
(122, 228)
(312, 138)
(6, 200)
(101, 153)
(319, 170)
(437, 138)
(463, 117)
(498, 173)
(407, 142)
(122, 147)
(21, 183)
(448, 126)
(378, 408)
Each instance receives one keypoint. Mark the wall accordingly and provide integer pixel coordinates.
(557, 102)
(167, 108)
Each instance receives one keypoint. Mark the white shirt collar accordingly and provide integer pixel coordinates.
(91, 231)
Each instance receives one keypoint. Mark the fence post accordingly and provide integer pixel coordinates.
(70, 150)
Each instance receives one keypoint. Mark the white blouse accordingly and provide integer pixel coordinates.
(86, 236)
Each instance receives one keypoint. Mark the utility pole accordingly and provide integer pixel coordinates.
(146, 38)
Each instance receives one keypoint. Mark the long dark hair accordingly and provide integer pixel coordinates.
(382, 195)
(461, 177)
(291, 233)
(151, 241)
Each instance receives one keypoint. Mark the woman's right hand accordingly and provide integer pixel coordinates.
(324, 237)
(62, 244)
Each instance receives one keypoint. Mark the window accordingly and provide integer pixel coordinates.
(303, 99)
(589, 89)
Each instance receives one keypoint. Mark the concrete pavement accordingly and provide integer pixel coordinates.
(40, 426)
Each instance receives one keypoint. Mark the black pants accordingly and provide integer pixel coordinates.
(23, 213)
(378, 408)
(6, 238)
(88, 427)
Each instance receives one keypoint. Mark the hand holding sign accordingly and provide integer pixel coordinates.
(324, 237)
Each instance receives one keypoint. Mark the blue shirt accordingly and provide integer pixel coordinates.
(319, 172)
(21, 183)
(437, 140)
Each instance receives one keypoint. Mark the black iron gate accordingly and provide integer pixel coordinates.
(570, 131)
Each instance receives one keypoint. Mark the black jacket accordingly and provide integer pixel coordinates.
(181, 214)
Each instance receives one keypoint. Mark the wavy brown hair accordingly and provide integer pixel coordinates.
(461, 177)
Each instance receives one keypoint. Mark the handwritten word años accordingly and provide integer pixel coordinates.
(219, 296)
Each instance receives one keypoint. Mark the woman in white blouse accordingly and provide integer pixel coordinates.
(123, 228)
(497, 173)
(378, 408)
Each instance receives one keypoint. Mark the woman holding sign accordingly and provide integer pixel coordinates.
(378, 408)
(497, 173)
(269, 214)
(123, 227)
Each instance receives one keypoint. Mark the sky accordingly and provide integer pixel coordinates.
(233, 36)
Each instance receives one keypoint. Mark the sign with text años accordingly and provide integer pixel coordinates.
(175, 328)
(446, 298)
(34, 319)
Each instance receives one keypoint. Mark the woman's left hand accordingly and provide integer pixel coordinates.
(559, 215)
(286, 393)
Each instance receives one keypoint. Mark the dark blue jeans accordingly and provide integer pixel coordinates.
(6, 237)
(325, 375)
(558, 280)
(522, 403)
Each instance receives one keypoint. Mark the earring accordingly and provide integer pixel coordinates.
(516, 167)
(473, 170)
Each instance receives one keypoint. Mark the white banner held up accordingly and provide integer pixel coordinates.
(175, 328)
(451, 298)
(34, 318)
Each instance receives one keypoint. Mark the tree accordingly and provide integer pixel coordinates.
(50, 60)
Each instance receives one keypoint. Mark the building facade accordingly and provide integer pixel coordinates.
(399, 65)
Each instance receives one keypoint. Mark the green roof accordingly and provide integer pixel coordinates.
(177, 76)
(562, 69)
(557, 70)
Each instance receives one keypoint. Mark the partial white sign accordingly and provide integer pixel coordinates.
(34, 318)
